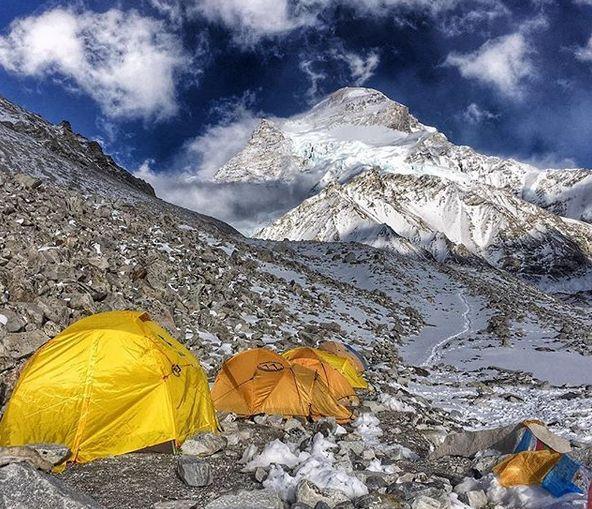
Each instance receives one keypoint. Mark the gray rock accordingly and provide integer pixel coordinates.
(23, 487)
(203, 445)
(22, 344)
(27, 455)
(425, 502)
(14, 322)
(54, 453)
(308, 493)
(256, 499)
(27, 181)
(260, 474)
(194, 472)
(476, 499)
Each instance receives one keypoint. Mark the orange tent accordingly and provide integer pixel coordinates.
(341, 350)
(261, 381)
(339, 386)
(526, 468)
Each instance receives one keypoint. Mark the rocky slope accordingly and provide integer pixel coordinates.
(431, 331)
(380, 177)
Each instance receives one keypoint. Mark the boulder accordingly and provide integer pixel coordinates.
(27, 455)
(24, 487)
(27, 181)
(22, 344)
(203, 445)
(194, 472)
(54, 453)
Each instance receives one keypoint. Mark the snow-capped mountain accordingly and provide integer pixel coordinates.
(382, 178)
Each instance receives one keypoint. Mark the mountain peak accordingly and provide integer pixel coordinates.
(360, 107)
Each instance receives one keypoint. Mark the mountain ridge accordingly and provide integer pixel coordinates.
(442, 198)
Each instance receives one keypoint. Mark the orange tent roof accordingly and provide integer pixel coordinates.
(338, 384)
(261, 381)
(339, 349)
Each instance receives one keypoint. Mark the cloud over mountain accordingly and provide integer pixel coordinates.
(125, 61)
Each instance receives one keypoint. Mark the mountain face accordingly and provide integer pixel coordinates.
(385, 179)
(56, 152)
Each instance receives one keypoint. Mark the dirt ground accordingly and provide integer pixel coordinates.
(139, 480)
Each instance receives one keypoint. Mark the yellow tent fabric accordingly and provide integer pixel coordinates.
(339, 349)
(341, 364)
(341, 389)
(111, 383)
(526, 468)
(261, 381)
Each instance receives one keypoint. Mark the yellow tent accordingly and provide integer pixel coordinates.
(261, 381)
(342, 364)
(340, 387)
(342, 350)
(111, 383)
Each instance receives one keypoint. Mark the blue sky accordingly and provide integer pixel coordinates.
(161, 81)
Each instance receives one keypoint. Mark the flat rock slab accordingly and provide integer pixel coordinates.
(256, 499)
(24, 487)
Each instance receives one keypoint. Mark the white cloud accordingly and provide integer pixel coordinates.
(503, 63)
(585, 53)
(474, 114)
(254, 19)
(351, 68)
(307, 66)
(361, 67)
(476, 18)
(125, 61)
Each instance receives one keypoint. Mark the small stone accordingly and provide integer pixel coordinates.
(260, 419)
(322, 505)
(368, 454)
(275, 421)
(203, 445)
(194, 472)
(375, 482)
(292, 424)
(260, 474)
